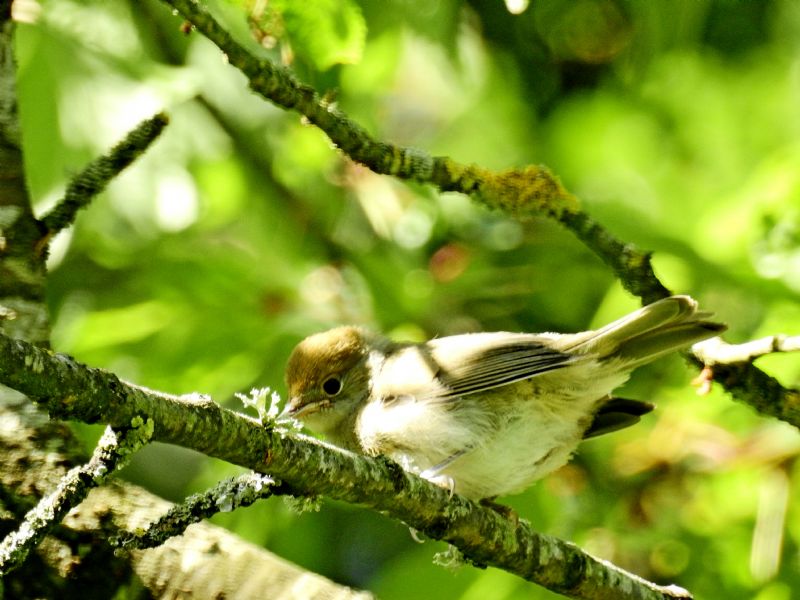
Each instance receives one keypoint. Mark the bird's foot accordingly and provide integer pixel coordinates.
(444, 481)
(504, 511)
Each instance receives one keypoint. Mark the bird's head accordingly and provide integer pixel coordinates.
(328, 378)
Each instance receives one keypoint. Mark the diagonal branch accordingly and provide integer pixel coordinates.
(525, 193)
(70, 390)
(226, 496)
(96, 176)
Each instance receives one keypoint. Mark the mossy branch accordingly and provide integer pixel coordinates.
(69, 390)
(96, 176)
(730, 365)
(525, 193)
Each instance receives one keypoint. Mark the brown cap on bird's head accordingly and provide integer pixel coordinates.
(321, 358)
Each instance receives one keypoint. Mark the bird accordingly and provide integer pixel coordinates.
(482, 414)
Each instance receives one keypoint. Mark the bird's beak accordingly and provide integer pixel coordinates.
(297, 409)
(292, 408)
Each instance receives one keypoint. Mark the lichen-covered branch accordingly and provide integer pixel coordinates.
(531, 191)
(112, 452)
(70, 390)
(226, 496)
(762, 392)
(630, 264)
(96, 176)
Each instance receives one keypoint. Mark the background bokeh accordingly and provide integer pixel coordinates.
(243, 230)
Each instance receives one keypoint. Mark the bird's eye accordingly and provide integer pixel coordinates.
(332, 386)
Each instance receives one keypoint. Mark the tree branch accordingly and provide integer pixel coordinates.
(730, 365)
(22, 265)
(70, 390)
(717, 352)
(226, 496)
(96, 176)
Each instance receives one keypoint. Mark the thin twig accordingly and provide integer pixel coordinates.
(226, 496)
(730, 365)
(716, 352)
(96, 176)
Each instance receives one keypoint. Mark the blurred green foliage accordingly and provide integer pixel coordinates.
(243, 230)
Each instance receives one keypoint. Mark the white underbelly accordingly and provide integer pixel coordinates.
(494, 443)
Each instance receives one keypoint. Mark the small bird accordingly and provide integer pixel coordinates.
(483, 414)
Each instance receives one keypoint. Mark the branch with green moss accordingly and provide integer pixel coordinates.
(532, 191)
(96, 176)
(69, 390)
(524, 193)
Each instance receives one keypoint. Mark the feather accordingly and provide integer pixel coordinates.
(517, 358)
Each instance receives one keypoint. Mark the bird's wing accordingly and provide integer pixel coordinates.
(473, 363)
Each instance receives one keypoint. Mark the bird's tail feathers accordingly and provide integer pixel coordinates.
(659, 328)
